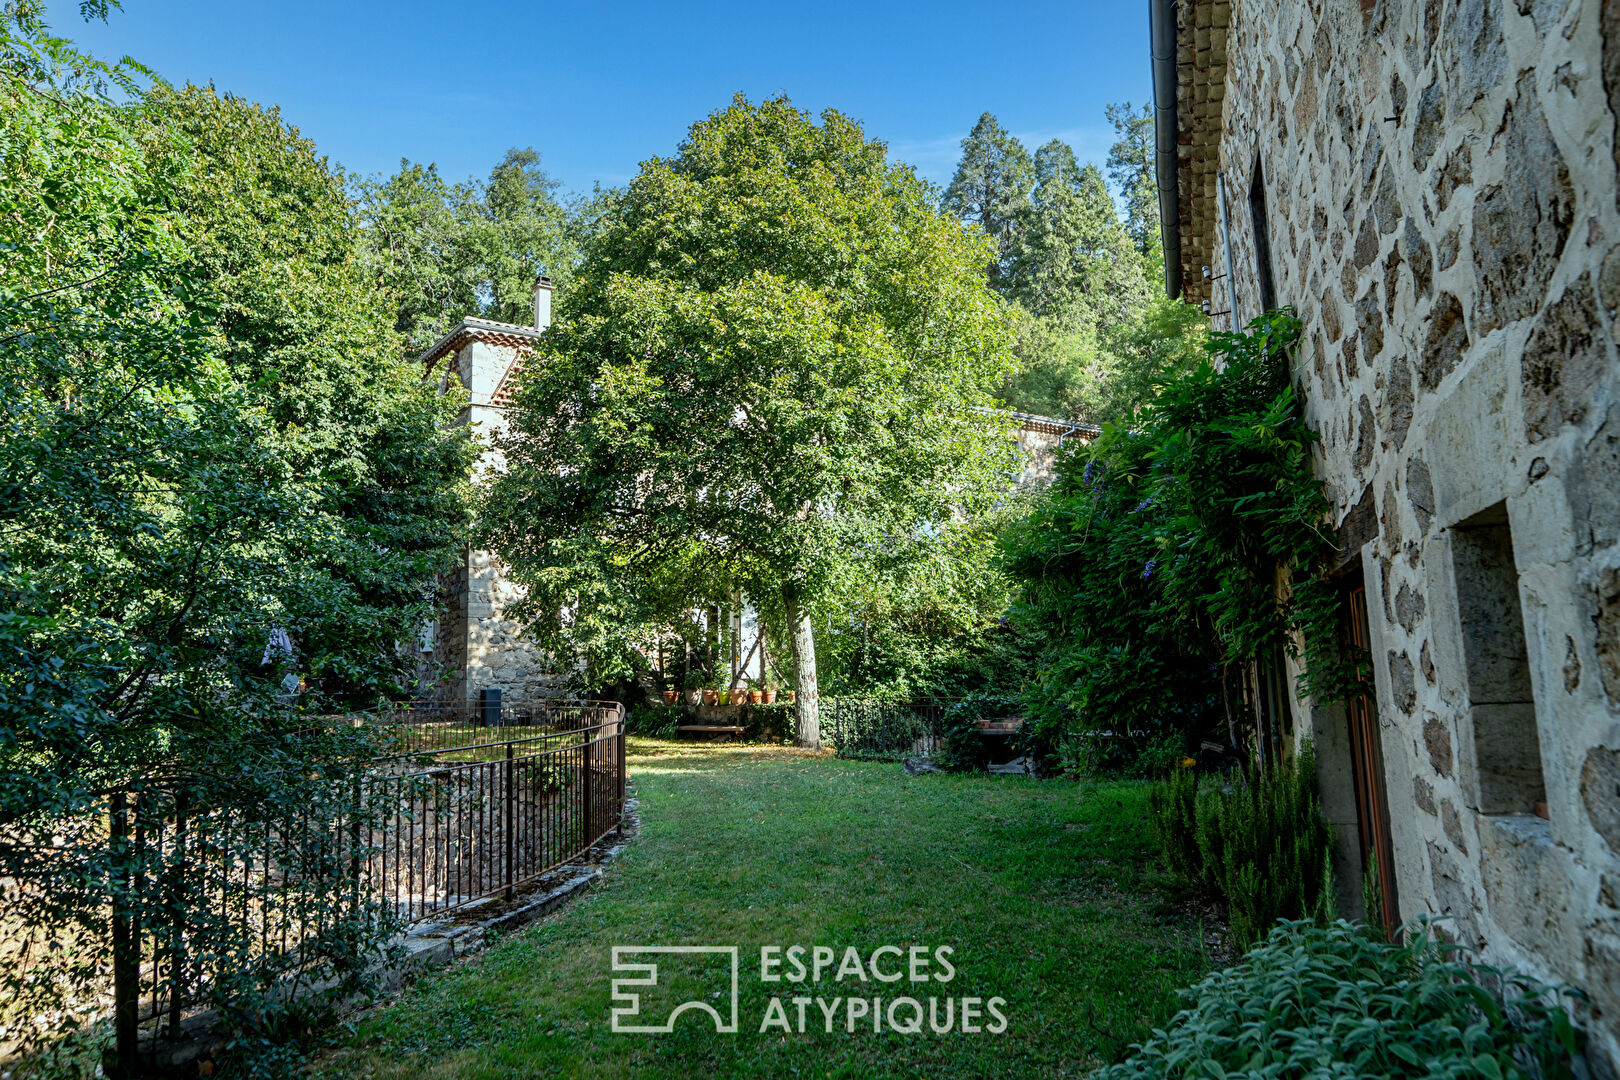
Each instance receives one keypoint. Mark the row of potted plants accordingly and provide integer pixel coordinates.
(752, 695)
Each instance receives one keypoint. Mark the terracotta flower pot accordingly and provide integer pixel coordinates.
(669, 697)
(755, 697)
(711, 697)
(770, 697)
(790, 695)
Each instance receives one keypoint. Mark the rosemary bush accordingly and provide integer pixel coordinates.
(1262, 847)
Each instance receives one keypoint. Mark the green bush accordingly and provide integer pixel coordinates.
(652, 723)
(1148, 571)
(1263, 848)
(765, 723)
(1340, 1001)
(963, 746)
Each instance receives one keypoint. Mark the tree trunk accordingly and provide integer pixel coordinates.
(806, 707)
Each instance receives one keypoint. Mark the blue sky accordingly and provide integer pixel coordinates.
(597, 88)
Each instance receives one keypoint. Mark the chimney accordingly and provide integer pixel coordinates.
(542, 302)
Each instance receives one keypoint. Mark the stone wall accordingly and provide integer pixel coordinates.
(1440, 199)
(475, 645)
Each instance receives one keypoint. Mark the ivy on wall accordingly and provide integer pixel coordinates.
(1175, 552)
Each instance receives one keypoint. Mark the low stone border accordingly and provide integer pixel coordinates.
(432, 945)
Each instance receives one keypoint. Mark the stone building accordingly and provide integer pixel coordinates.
(473, 640)
(1432, 184)
(1039, 439)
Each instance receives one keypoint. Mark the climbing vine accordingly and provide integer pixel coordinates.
(1178, 550)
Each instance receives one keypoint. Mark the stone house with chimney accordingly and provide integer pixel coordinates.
(473, 641)
(1432, 185)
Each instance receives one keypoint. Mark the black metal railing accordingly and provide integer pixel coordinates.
(213, 897)
(463, 728)
(888, 730)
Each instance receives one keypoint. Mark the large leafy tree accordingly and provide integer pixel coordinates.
(295, 319)
(766, 376)
(206, 436)
(1131, 167)
(445, 251)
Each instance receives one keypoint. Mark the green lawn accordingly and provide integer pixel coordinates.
(1036, 885)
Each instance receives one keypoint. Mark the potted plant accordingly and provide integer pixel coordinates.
(725, 697)
(790, 695)
(670, 696)
(755, 694)
(694, 692)
(770, 696)
(711, 696)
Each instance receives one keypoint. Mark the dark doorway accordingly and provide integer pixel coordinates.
(1367, 763)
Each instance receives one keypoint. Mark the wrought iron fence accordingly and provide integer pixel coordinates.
(866, 728)
(214, 899)
(463, 728)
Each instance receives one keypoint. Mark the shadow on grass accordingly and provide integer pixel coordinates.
(1040, 888)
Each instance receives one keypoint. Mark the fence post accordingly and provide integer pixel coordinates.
(619, 814)
(510, 816)
(585, 796)
(126, 950)
(177, 958)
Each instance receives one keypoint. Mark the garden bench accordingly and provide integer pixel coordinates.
(713, 730)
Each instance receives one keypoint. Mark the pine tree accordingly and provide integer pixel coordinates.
(991, 187)
(1131, 166)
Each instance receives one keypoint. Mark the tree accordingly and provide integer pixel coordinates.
(991, 187)
(524, 232)
(414, 227)
(765, 377)
(207, 435)
(1072, 262)
(1056, 169)
(294, 317)
(1131, 165)
(445, 251)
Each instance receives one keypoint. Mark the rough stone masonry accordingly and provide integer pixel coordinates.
(1432, 184)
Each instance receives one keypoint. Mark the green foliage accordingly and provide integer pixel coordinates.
(449, 250)
(991, 188)
(1339, 1001)
(653, 723)
(206, 436)
(1172, 553)
(1081, 281)
(764, 379)
(1131, 165)
(964, 748)
(933, 626)
(1261, 847)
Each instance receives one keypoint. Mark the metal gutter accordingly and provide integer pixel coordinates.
(1162, 31)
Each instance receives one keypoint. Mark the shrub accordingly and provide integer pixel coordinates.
(1340, 1001)
(963, 746)
(764, 723)
(652, 723)
(1148, 573)
(1263, 847)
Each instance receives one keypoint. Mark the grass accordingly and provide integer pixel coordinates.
(1038, 886)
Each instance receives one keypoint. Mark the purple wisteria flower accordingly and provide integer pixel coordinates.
(1147, 571)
